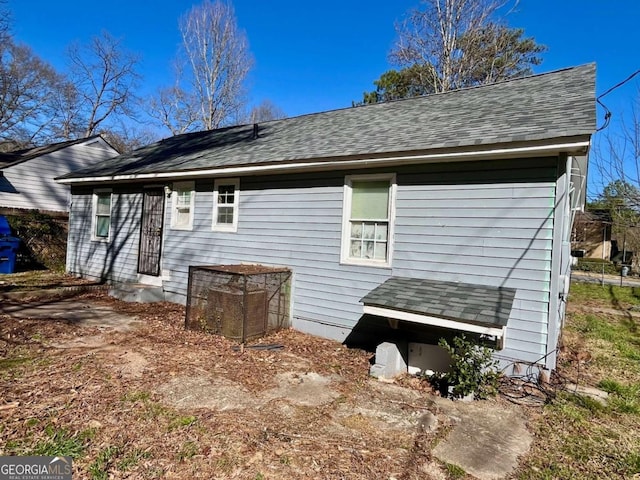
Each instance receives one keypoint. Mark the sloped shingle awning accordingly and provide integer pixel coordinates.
(458, 306)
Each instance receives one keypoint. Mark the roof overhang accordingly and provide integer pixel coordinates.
(571, 146)
(500, 333)
(474, 308)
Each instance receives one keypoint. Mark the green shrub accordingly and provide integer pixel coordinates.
(473, 370)
(596, 265)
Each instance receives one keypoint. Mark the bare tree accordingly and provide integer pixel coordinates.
(217, 59)
(35, 100)
(105, 76)
(173, 108)
(458, 43)
(26, 85)
(126, 136)
(69, 122)
(5, 22)
(265, 111)
(615, 153)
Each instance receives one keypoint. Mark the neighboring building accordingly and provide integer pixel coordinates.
(373, 208)
(27, 175)
(591, 235)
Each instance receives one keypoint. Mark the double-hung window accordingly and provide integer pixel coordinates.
(183, 197)
(368, 219)
(226, 194)
(101, 218)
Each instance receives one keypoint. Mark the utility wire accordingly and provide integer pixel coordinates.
(607, 115)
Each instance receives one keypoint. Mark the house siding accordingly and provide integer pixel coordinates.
(117, 259)
(31, 185)
(491, 226)
(479, 222)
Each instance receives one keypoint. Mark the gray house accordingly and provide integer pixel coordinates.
(407, 219)
(27, 175)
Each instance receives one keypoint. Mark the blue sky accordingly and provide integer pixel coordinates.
(315, 56)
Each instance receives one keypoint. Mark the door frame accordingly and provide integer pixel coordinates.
(144, 278)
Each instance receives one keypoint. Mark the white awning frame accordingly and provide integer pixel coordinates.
(499, 332)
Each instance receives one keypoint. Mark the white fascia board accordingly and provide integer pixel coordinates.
(433, 321)
(496, 153)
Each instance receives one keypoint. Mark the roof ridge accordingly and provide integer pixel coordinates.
(448, 92)
(378, 104)
(486, 85)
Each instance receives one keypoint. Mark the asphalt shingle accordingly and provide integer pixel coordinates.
(541, 107)
(477, 304)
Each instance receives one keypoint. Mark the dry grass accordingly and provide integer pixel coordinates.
(39, 279)
(81, 402)
(576, 436)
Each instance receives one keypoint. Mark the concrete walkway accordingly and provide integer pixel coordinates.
(486, 439)
(79, 312)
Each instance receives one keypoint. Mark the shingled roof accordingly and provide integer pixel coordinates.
(8, 159)
(540, 107)
(475, 304)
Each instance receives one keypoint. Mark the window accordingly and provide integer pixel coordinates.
(101, 215)
(367, 219)
(183, 197)
(225, 205)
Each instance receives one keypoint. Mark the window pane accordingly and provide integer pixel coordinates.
(184, 199)
(225, 215)
(370, 200)
(102, 226)
(182, 217)
(226, 194)
(355, 249)
(381, 231)
(356, 229)
(369, 240)
(103, 204)
(225, 198)
(367, 249)
(381, 251)
(368, 231)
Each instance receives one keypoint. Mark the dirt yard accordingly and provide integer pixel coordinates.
(129, 393)
(151, 400)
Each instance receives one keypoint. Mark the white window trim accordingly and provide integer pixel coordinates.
(225, 227)
(94, 214)
(346, 218)
(174, 204)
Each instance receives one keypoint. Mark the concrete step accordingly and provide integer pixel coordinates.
(137, 292)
